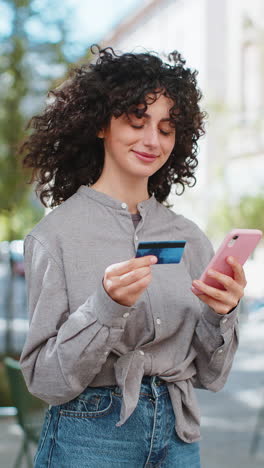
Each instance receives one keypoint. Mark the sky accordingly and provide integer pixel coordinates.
(87, 21)
(92, 23)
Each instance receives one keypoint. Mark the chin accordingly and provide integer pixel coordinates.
(146, 170)
(143, 173)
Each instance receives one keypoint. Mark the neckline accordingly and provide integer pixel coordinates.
(107, 200)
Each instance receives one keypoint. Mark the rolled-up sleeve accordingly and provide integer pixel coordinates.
(215, 340)
(64, 352)
(215, 336)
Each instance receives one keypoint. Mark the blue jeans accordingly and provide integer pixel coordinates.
(82, 432)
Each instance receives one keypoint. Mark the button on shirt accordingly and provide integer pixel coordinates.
(79, 336)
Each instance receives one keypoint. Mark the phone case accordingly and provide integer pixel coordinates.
(238, 243)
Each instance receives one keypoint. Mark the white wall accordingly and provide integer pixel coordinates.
(210, 36)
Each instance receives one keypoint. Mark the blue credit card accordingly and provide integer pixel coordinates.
(165, 251)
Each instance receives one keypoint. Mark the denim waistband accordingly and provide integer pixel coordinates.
(151, 386)
(148, 380)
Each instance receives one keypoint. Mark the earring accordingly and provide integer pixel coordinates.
(100, 134)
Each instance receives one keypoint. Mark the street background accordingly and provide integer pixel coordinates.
(222, 39)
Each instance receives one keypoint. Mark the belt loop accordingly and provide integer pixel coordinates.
(153, 386)
(156, 381)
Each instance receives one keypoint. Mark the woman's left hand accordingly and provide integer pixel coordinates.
(223, 301)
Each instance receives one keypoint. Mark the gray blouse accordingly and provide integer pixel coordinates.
(78, 336)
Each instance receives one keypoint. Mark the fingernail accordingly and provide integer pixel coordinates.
(153, 259)
(195, 291)
(210, 272)
(230, 259)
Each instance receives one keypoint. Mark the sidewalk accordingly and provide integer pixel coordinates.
(228, 416)
(10, 442)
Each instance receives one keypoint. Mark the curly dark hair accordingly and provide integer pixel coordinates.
(63, 147)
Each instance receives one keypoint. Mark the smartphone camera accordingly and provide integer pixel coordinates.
(232, 241)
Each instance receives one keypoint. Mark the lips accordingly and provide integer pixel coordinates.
(145, 156)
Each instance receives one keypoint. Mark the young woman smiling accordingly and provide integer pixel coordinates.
(116, 344)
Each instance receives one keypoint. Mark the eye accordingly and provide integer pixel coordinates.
(168, 132)
(136, 122)
(137, 126)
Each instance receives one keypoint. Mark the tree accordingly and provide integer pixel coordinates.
(247, 213)
(29, 63)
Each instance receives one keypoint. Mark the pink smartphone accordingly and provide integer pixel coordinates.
(238, 243)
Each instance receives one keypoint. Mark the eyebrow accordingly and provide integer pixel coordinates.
(166, 119)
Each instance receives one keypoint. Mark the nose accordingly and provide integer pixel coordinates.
(151, 137)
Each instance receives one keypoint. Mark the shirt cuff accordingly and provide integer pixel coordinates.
(109, 312)
(225, 321)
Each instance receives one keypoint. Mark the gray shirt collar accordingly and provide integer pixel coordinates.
(106, 200)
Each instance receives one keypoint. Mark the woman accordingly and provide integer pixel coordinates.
(117, 344)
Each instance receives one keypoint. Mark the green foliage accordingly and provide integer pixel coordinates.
(15, 224)
(25, 75)
(5, 397)
(247, 213)
(5, 394)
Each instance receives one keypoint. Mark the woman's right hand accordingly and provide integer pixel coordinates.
(124, 282)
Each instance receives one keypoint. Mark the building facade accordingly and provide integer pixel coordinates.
(224, 41)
